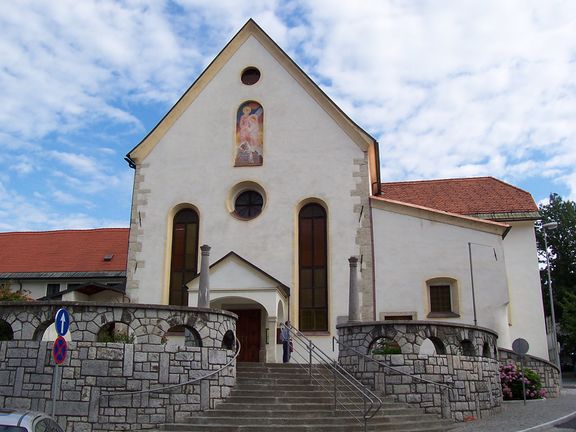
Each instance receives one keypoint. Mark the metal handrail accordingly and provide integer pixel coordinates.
(371, 403)
(193, 380)
(443, 387)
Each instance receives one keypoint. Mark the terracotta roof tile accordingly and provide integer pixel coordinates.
(64, 251)
(467, 196)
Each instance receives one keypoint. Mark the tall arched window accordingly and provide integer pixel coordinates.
(313, 274)
(184, 263)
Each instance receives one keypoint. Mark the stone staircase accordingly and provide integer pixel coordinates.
(274, 397)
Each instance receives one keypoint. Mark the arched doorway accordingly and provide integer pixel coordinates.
(250, 329)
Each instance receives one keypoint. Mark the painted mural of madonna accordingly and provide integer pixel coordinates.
(249, 134)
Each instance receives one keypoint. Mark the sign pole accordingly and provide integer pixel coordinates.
(523, 378)
(55, 388)
(59, 352)
(520, 346)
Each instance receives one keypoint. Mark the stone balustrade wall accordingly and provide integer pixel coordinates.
(94, 372)
(146, 323)
(471, 383)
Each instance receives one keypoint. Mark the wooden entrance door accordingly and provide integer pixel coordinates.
(248, 333)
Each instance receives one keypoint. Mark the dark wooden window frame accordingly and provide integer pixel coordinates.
(313, 266)
(185, 223)
(441, 298)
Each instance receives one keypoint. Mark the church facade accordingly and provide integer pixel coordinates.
(256, 162)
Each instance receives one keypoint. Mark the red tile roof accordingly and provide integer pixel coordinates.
(64, 251)
(486, 196)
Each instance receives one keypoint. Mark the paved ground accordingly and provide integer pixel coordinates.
(550, 415)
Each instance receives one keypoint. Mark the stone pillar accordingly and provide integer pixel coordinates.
(204, 285)
(354, 295)
(271, 325)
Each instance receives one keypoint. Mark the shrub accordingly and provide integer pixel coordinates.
(511, 377)
(7, 295)
(384, 346)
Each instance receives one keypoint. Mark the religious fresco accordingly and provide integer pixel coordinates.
(249, 135)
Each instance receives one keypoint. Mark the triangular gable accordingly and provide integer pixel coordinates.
(232, 272)
(355, 132)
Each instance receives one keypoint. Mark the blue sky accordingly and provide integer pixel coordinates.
(448, 88)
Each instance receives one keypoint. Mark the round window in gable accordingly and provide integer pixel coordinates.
(248, 204)
(250, 76)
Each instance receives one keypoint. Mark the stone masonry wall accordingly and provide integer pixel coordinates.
(94, 370)
(147, 323)
(549, 373)
(364, 236)
(464, 367)
(473, 382)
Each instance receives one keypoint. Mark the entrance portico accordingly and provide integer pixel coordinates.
(239, 286)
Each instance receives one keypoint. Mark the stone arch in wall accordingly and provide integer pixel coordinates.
(486, 351)
(229, 340)
(6, 331)
(182, 335)
(40, 330)
(115, 331)
(432, 346)
(467, 348)
(384, 346)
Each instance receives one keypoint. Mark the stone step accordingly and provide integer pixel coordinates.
(285, 425)
(272, 397)
(324, 419)
(281, 406)
(274, 381)
(242, 412)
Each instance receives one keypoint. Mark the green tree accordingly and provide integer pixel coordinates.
(562, 249)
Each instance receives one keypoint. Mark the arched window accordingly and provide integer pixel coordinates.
(184, 262)
(313, 274)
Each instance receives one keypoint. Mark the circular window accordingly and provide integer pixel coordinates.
(248, 204)
(250, 76)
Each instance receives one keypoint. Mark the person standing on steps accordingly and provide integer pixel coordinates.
(285, 339)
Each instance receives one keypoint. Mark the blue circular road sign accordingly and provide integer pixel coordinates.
(62, 321)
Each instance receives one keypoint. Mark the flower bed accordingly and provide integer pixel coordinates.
(511, 377)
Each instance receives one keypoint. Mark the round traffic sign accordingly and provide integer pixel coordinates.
(62, 321)
(520, 346)
(59, 350)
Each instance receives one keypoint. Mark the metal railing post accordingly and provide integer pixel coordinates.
(335, 386)
(310, 348)
(365, 417)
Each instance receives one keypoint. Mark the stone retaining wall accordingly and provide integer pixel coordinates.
(147, 323)
(473, 381)
(93, 370)
(549, 373)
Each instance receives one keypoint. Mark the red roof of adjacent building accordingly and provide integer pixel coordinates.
(64, 251)
(484, 196)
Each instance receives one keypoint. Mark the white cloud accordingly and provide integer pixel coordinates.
(448, 88)
(455, 89)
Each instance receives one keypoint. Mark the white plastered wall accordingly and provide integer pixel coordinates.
(526, 309)
(306, 154)
(410, 250)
